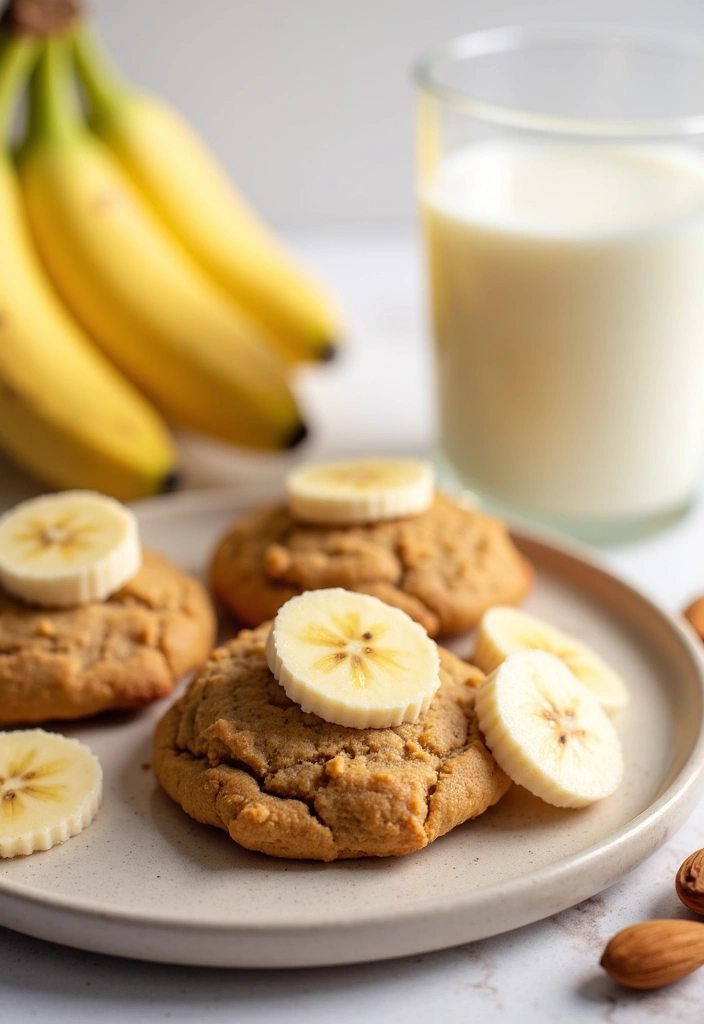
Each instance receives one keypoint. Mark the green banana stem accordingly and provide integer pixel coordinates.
(107, 91)
(53, 112)
(16, 58)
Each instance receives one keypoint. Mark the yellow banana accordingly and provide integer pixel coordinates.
(66, 414)
(137, 293)
(185, 185)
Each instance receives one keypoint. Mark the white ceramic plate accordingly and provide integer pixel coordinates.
(146, 881)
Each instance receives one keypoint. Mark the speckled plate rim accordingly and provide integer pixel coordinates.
(439, 922)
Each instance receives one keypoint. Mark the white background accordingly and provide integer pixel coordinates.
(309, 102)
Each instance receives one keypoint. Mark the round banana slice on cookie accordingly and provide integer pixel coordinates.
(68, 548)
(504, 630)
(50, 790)
(353, 660)
(548, 732)
(360, 490)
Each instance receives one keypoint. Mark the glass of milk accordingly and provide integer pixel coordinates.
(561, 186)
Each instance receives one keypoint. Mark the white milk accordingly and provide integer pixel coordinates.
(568, 293)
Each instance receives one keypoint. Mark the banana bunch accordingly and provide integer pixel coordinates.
(65, 411)
(184, 185)
(135, 283)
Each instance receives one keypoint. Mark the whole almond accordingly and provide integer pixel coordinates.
(654, 953)
(694, 613)
(690, 882)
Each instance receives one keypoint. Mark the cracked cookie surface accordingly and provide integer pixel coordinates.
(236, 753)
(443, 567)
(118, 653)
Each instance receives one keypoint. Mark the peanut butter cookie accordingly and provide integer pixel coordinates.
(444, 567)
(236, 753)
(118, 653)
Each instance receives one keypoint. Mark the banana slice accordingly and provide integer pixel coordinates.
(360, 490)
(50, 790)
(353, 660)
(504, 630)
(68, 548)
(548, 732)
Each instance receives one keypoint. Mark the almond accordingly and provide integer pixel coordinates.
(654, 953)
(690, 882)
(694, 613)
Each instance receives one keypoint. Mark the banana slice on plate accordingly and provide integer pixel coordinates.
(504, 630)
(353, 660)
(360, 490)
(50, 790)
(548, 732)
(68, 548)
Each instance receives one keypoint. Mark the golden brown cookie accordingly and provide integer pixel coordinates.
(119, 653)
(444, 567)
(236, 753)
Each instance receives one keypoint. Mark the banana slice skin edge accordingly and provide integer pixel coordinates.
(506, 630)
(360, 490)
(67, 549)
(353, 660)
(548, 732)
(51, 787)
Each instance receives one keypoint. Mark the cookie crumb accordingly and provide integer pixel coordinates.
(414, 750)
(45, 628)
(148, 634)
(335, 767)
(277, 561)
(256, 812)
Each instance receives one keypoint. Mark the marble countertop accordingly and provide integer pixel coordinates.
(377, 398)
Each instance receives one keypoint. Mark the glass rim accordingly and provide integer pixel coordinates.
(509, 38)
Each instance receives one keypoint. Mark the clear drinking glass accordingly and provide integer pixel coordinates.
(561, 188)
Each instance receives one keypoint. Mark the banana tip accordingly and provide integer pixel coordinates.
(170, 482)
(328, 351)
(297, 435)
